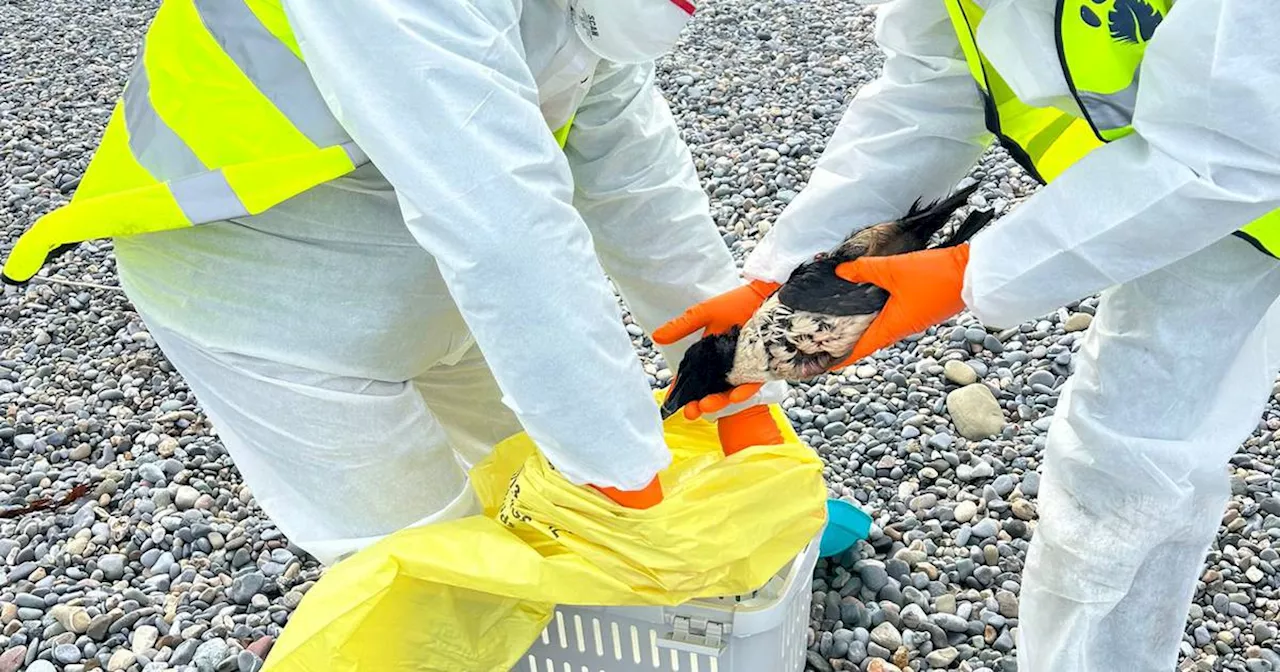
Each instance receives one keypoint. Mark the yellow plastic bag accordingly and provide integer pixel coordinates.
(472, 595)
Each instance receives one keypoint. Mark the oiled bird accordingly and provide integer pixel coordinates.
(815, 318)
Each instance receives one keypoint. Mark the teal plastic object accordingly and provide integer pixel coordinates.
(846, 524)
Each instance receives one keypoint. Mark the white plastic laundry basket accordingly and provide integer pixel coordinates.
(764, 631)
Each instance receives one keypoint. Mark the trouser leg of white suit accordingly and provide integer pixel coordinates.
(322, 342)
(1171, 378)
(339, 462)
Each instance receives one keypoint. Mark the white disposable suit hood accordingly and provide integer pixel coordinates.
(630, 31)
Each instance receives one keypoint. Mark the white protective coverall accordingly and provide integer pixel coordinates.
(333, 339)
(1183, 353)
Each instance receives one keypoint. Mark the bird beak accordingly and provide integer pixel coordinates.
(669, 403)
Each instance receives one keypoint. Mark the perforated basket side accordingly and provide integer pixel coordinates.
(764, 632)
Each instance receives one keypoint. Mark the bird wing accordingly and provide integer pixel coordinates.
(816, 288)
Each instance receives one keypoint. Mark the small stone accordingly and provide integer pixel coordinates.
(247, 662)
(13, 658)
(244, 587)
(167, 447)
(882, 665)
(72, 619)
(818, 662)
(21, 572)
(1078, 322)
(137, 596)
(942, 658)
(186, 497)
(162, 564)
(1271, 505)
(975, 412)
(209, 654)
(112, 566)
(151, 473)
(1008, 603)
(1263, 632)
(897, 569)
(940, 441)
(184, 652)
(913, 617)
(985, 528)
(912, 558)
(144, 638)
(121, 660)
(873, 574)
(887, 636)
(960, 373)
(1031, 484)
(975, 472)
(98, 627)
(41, 666)
(950, 622)
(262, 646)
(1023, 509)
(67, 654)
(901, 657)
(1254, 575)
(965, 511)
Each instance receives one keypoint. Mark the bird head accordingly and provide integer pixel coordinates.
(704, 370)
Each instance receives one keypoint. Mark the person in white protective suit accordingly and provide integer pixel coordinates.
(1181, 358)
(359, 346)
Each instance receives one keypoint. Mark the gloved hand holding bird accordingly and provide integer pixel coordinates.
(832, 311)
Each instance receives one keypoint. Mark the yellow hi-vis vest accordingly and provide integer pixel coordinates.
(1100, 48)
(220, 118)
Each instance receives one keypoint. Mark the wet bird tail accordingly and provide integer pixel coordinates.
(920, 223)
(975, 222)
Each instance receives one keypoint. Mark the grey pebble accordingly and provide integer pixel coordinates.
(151, 472)
(112, 566)
(985, 528)
(185, 652)
(67, 654)
(886, 636)
(873, 574)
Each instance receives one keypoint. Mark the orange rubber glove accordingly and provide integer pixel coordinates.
(924, 289)
(715, 316)
(753, 427)
(635, 499)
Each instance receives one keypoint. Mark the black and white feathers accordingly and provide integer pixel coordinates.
(814, 320)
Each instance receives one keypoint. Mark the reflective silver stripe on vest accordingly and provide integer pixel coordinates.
(272, 67)
(207, 197)
(1111, 111)
(154, 145)
(357, 155)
